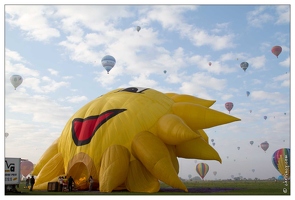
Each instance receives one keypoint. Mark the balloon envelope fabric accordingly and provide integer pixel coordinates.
(130, 138)
(281, 161)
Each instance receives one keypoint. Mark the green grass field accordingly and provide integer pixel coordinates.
(261, 187)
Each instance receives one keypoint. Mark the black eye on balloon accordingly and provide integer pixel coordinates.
(134, 89)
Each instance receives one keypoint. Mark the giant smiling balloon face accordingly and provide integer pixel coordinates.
(130, 139)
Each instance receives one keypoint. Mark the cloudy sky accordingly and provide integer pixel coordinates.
(57, 49)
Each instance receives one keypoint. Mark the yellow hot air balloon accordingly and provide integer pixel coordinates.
(130, 138)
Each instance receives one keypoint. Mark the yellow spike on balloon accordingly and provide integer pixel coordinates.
(139, 174)
(110, 175)
(199, 117)
(204, 135)
(192, 99)
(197, 149)
(172, 151)
(52, 169)
(172, 130)
(154, 155)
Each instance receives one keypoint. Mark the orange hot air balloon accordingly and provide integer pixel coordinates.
(276, 50)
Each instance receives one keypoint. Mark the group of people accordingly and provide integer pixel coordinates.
(68, 184)
(65, 183)
(30, 181)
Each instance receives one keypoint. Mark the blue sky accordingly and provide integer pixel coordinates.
(57, 50)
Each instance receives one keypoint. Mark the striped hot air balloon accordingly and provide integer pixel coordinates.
(202, 169)
(281, 161)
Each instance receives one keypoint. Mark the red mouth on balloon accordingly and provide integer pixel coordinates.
(84, 129)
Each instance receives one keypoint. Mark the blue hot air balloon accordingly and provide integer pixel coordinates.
(248, 93)
(108, 62)
(265, 117)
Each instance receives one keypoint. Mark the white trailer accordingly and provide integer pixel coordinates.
(12, 174)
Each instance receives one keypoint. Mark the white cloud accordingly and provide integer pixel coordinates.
(202, 62)
(13, 55)
(200, 84)
(14, 62)
(284, 79)
(100, 18)
(41, 108)
(143, 81)
(220, 27)
(258, 17)
(272, 98)
(226, 96)
(52, 71)
(256, 81)
(284, 14)
(257, 62)
(32, 20)
(285, 63)
(76, 99)
(170, 17)
(43, 85)
(201, 37)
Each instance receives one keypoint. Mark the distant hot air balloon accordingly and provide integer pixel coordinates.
(165, 71)
(16, 80)
(212, 140)
(265, 117)
(264, 145)
(244, 65)
(215, 172)
(6, 134)
(202, 169)
(108, 62)
(229, 106)
(253, 170)
(213, 143)
(26, 167)
(251, 142)
(276, 50)
(138, 28)
(281, 161)
(248, 93)
(210, 63)
(238, 148)
(250, 111)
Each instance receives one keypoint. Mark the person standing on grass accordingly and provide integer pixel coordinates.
(90, 183)
(32, 183)
(70, 183)
(27, 182)
(60, 181)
